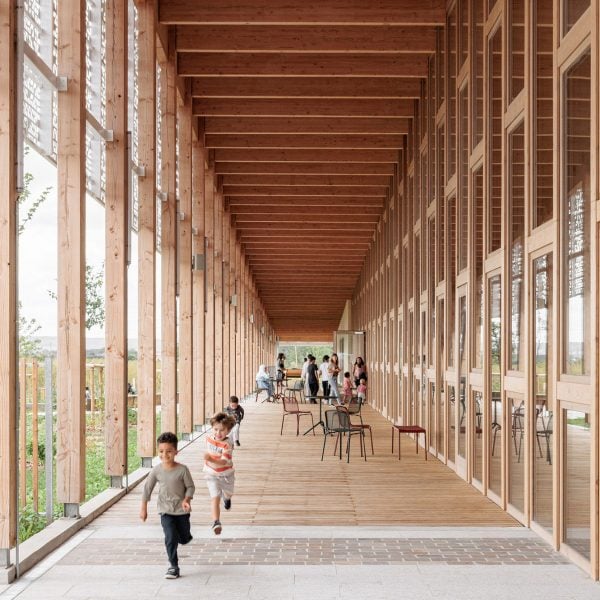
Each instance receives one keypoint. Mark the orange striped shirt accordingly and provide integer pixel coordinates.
(219, 450)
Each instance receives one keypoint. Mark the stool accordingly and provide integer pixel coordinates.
(409, 429)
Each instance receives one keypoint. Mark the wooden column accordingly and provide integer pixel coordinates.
(227, 390)
(168, 237)
(186, 308)
(243, 386)
(8, 278)
(116, 213)
(70, 375)
(209, 326)
(199, 279)
(147, 230)
(218, 286)
(233, 389)
(239, 385)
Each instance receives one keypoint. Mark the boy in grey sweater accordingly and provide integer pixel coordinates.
(175, 492)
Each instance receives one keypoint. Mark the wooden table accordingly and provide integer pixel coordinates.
(409, 429)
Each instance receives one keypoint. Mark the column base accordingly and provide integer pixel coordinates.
(147, 462)
(71, 510)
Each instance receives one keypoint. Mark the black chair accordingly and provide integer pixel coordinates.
(353, 408)
(546, 432)
(338, 423)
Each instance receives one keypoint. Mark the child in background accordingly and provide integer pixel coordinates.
(347, 388)
(218, 466)
(237, 412)
(175, 493)
(362, 389)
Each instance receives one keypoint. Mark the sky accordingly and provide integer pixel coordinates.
(38, 252)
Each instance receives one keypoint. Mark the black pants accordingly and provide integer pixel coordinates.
(313, 386)
(177, 531)
(325, 388)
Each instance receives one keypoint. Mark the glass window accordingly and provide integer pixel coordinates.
(432, 415)
(431, 288)
(464, 31)
(576, 498)
(462, 389)
(477, 119)
(451, 249)
(517, 47)
(477, 403)
(572, 11)
(417, 264)
(495, 408)
(440, 59)
(478, 296)
(576, 216)
(544, 403)
(544, 129)
(441, 202)
(451, 423)
(463, 217)
(494, 225)
(516, 463)
(451, 105)
(516, 150)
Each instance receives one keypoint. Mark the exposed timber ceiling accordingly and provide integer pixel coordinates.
(305, 105)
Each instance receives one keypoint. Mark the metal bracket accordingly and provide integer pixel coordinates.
(62, 83)
(164, 196)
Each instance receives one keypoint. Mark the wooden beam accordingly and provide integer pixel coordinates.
(302, 140)
(296, 201)
(275, 220)
(147, 230)
(307, 180)
(394, 88)
(70, 375)
(310, 39)
(313, 12)
(283, 211)
(295, 169)
(8, 277)
(305, 190)
(283, 64)
(304, 156)
(199, 412)
(303, 107)
(317, 227)
(305, 125)
(168, 240)
(186, 306)
(117, 238)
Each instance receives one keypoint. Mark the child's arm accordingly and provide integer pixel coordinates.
(148, 487)
(241, 414)
(190, 488)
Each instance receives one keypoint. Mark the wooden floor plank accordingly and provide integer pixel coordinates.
(280, 480)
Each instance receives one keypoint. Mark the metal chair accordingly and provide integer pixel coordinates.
(354, 409)
(290, 407)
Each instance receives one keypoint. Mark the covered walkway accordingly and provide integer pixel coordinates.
(300, 528)
(422, 174)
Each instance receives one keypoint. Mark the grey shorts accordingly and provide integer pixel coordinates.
(220, 485)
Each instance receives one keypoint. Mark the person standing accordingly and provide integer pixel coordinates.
(325, 377)
(312, 376)
(333, 369)
(359, 370)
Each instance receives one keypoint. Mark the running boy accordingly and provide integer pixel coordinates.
(237, 412)
(361, 390)
(175, 493)
(218, 466)
(347, 389)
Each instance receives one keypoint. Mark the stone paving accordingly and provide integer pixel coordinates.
(320, 551)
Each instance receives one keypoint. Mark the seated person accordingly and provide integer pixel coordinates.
(263, 381)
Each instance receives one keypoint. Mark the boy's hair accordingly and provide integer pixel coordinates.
(167, 438)
(325, 358)
(363, 380)
(234, 400)
(347, 374)
(225, 420)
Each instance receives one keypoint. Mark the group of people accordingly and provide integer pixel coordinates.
(327, 373)
(176, 485)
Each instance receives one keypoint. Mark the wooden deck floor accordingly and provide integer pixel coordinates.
(280, 480)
